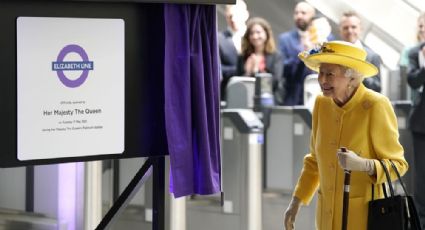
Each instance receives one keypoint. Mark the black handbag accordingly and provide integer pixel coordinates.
(394, 212)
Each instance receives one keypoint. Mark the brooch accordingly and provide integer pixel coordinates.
(325, 49)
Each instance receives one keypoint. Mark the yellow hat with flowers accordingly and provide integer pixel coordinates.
(341, 53)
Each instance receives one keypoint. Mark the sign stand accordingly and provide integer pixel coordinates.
(157, 165)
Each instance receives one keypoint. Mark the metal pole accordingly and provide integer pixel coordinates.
(29, 190)
(116, 179)
(346, 198)
(92, 189)
(158, 193)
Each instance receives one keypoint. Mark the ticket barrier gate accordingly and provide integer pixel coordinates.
(240, 92)
(288, 140)
(402, 110)
(242, 138)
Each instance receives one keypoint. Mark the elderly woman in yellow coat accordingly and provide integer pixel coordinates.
(346, 115)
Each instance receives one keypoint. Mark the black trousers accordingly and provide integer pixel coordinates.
(419, 175)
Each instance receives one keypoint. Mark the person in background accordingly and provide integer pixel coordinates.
(420, 37)
(416, 80)
(350, 31)
(352, 116)
(259, 55)
(229, 41)
(320, 30)
(290, 44)
(404, 57)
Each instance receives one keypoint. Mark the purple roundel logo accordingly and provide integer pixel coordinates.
(60, 66)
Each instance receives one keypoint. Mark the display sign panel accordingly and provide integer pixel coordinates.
(70, 87)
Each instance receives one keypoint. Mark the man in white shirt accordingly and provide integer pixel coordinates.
(230, 40)
(350, 31)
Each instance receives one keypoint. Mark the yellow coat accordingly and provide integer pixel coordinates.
(366, 125)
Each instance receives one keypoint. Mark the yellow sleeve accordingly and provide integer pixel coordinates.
(385, 140)
(308, 181)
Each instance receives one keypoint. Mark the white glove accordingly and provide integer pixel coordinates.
(291, 213)
(351, 161)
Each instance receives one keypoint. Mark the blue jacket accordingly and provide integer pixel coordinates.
(294, 70)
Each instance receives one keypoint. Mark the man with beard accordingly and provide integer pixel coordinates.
(291, 43)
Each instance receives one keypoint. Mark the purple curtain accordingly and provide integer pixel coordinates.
(192, 98)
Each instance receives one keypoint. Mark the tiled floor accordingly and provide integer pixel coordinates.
(202, 214)
(201, 218)
(19, 220)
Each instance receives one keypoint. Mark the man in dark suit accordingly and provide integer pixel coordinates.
(291, 43)
(416, 80)
(229, 41)
(350, 31)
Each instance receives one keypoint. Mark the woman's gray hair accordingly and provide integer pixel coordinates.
(352, 73)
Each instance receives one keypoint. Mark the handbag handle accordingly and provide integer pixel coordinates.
(387, 174)
(399, 178)
(390, 185)
(384, 189)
